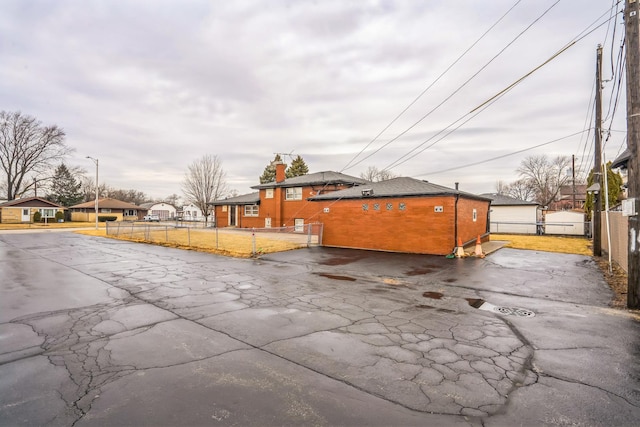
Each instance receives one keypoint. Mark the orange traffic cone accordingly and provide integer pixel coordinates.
(479, 248)
(460, 249)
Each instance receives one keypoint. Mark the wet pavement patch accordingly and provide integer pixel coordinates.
(419, 271)
(506, 311)
(430, 307)
(336, 277)
(433, 295)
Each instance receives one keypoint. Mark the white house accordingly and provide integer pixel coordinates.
(165, 211)
(191, 212)
(564, 222)
(509, 215)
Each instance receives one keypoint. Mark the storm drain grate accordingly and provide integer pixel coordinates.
(506, 311)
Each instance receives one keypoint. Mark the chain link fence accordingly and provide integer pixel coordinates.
(234, 241)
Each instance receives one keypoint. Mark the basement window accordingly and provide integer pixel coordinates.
(475, 215)
(365, 207)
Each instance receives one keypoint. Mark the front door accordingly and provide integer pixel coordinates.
(233, 211)
(299, 225)
(267, 223)
(26, 215)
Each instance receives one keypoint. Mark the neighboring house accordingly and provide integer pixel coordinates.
(565, 223)
(242, 211)
(22, 210)
(569, 193)
(123, 211)
(402, 215)
(190, 212)
(281, 203)
(510, 215)
(165, 211)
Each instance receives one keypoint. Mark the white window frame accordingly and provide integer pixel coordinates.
(268, 193)
(105, 210)
(475, 215)
(293, 193)
(48, 212)
(251, 210)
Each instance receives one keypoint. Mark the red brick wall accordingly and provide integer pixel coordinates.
(416, 229)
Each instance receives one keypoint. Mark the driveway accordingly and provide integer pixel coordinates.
(103, 332)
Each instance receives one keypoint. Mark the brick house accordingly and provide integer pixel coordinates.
(402, 215)
(282, 203)
(398, 215)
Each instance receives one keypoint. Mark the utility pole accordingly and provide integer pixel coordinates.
(573, 181)
(597, 168)
(633, 134)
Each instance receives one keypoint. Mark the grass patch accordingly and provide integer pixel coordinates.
(236, 244)
(50, 225)
(561, 244)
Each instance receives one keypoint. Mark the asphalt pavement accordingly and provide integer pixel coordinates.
(96, 331)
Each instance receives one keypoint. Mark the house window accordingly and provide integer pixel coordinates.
(365, 206)
(376, 206)
(105, 210)
(250, 210)
(268, 193)
(48, 213)
(402, 206)
(389, 206)
(224, 208)
(475, 215)
(294, 193)
(130, 212)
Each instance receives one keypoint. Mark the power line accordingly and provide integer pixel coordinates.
(408, 156)
(456, 90)
(502, 156)
(347, 166)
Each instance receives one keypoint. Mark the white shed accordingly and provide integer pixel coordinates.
(509, 215)
(564, 222)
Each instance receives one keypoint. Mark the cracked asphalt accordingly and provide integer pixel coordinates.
(103, 332)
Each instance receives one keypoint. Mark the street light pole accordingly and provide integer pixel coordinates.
(96, 204)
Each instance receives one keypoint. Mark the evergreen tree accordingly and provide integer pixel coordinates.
(269, 174)
(614, 185)
(298, 168)
(65, 190)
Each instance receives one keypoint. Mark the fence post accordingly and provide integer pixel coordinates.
(309, 234)
(107, 228)
(253, 242)
(132, 230)
(216, 236)
(189, 236)
(166, 234)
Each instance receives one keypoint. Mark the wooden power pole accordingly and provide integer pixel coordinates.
(631, 19)
(597, 164)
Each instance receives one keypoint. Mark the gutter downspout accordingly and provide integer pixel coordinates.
(455, 220)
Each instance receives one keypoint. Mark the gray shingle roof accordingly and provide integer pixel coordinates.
(244, 199)
(502, 200)
(396, 187)
(318, 178)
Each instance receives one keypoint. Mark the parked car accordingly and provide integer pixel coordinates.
(151, 218)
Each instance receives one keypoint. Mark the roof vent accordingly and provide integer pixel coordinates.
(367, 192)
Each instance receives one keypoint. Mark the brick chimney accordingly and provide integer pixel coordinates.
(280, 167)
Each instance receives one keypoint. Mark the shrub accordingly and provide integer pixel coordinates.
(37, 217)
(105, 218)
(59, 216)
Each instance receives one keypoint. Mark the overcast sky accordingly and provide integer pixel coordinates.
(148, 87)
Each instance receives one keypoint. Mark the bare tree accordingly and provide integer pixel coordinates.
(29, 151)
(545, 176)
(376, 175)
(205, 182)
(501, 187)
(520, 189)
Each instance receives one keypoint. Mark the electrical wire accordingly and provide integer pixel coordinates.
(456, 90)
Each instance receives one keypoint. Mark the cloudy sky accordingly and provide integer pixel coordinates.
(149, 86)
